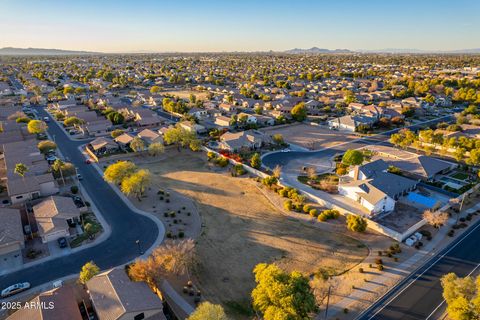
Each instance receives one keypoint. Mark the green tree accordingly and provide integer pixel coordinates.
(179, 136)
(255, 161)
(352, 157)
(137, 145)
(136, 183)
(462, 296)
(154, 89)
(299, 112)
(115, 173)
(46, 146)
(20, 169)
(89, 270)
(278, 138)
(156, 149)
(356, 223)
(279, 295)
(36, 127)
(72, 121)
(116, 133)
(208, 311)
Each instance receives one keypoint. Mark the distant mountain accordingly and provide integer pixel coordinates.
(40, 52)
(399, 50)
(316, 50)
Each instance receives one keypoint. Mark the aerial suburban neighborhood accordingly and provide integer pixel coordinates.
(212, 180)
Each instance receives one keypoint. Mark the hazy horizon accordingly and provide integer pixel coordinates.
(247, 26)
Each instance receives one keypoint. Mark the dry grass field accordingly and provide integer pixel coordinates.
(185, 94)
(242, 229)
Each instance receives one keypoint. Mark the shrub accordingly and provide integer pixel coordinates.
(356, 223)
(288, 205)
(306, 208)
(378, 261)
(313, 213)
(181, 234)
(360, 270)
(380, 267)
(74, 189)
(222, 161)
(210, 155)
(328, 214)
(283, 192)
(269, 181)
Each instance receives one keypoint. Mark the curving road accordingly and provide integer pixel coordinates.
(126, 225)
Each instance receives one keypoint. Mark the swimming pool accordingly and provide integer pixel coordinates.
(418, 198)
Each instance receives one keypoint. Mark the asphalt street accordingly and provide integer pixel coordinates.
(126, 225)
(419, 296)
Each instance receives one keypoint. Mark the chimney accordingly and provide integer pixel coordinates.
(356, 172)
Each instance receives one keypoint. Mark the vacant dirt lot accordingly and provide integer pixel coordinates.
(185, 94)
(311, 137)
(242, 229)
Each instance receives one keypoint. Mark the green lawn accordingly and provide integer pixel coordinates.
(459, 176)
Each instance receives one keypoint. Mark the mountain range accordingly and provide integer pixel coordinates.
(10, 51)
(314, 50)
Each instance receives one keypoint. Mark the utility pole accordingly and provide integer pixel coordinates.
(328, 301)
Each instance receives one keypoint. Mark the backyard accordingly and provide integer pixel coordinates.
(241, 228)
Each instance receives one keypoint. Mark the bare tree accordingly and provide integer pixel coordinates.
(311, 173)
(435, 219)
(277, 171)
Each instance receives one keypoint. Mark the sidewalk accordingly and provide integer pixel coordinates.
(363, 296)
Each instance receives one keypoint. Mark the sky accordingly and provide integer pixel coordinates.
(246, 25)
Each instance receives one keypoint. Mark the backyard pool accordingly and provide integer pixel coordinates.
(420, 199)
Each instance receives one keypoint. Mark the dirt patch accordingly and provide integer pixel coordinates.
(185, 94)
(241, 228)
(311, 137)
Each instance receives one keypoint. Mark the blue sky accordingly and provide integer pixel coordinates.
(246, 25)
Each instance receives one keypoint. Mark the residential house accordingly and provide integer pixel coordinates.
(222, 121)
(374, 188)
(57, 304)
(114, 296)
(103, 145)
(250, 139)
(351, 123)
(193, 127)
(149, 137)
(198, 113)
(53, 217)
(12, 240)
(124, 140)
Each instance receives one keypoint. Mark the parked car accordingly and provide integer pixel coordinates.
(88, 161)
(79, 176)
(62, 242)
(46, 119)
(27, 229)
(14, 289)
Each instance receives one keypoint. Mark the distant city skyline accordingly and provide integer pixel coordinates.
(248, 25)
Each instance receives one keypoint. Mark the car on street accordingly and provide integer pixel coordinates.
(62, 242)
(14, 289)
(79, 176)
(46, 119)
(88, 161)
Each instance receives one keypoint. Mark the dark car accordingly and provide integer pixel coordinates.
(62, 242)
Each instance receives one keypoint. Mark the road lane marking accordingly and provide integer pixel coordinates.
(431, 314)
(428, 268)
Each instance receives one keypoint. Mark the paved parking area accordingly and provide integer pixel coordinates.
(311, 137)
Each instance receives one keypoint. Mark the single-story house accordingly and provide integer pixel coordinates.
(350, 122)
(114, 296)
(149, 136)
(102, 145)
(250, 139)
(57, 304)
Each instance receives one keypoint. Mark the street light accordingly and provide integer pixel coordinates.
(139, 248)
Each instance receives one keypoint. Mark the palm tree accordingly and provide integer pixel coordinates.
(20, 169)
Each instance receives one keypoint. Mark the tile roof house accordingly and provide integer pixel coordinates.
(375, 188)
(114, 296)
(102, 145)
(350, 122)
(222, 121)
(57, 304)
(250, 139)
(124, 140)
(12, 239)
(37, 181)
(149, 136)
(53, 216)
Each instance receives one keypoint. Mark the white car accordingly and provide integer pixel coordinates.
(286, 150)
(14, 289)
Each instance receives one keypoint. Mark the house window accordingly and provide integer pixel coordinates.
(139, 316)
(18, 197)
